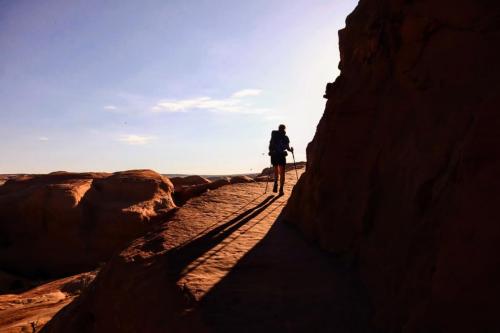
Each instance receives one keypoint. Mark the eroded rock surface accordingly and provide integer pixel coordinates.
(402, 174)
(196, 186)
(185, 192)
(180, 182)
(63, 223)
(30, 310)
(241, 179)
(221, 264)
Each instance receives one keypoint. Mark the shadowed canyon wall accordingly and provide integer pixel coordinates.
(402, 174)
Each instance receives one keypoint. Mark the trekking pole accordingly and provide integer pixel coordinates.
(268, 177)
(295, 166)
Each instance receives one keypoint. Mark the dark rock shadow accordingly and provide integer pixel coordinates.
(285, 284)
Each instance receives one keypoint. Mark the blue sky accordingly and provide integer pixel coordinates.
(175, 86)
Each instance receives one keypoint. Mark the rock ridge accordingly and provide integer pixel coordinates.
(400, 174)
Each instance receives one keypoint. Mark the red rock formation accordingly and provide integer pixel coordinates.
(28, 311)
(402, 174)
(158, 282)
(241, 179)
(180, 182)
(63, 223)
(220, 182)
(193, 186)
(184, 192)
(132, 293)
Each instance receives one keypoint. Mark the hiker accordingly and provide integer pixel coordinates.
(278, 146)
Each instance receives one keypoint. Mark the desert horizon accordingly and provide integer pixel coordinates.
(6, 176)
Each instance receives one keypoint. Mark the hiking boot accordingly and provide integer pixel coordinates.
(275, 187)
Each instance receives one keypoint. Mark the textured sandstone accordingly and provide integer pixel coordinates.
(183, 193)
(220, 182)
(28, 311)
(402, 174)
(63, 223)
(220, 264)
(241, 179)
(180, 182)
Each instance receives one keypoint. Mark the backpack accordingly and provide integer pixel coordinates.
(278, 144)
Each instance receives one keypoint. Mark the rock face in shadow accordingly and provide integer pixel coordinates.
(62, 223)
(28, 310)
(402, 174)
(11, 283)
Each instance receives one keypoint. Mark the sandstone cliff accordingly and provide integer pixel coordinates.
(64, 223)
(402, 174)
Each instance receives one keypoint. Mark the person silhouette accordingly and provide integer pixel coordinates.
(278, 146)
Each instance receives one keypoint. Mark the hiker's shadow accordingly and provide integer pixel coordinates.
(180, 257)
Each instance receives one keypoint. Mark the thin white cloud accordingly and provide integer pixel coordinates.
(110, 108)
(133, 139)
(43, 138)
(246, 93)
(181, 105)
(231, 104)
